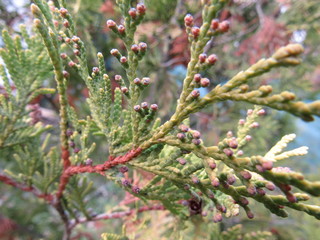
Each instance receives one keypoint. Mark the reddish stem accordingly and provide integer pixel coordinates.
(114, 215)
(100, 168)
(5, 179)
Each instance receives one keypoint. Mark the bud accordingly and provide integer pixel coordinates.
(137, 81)
(125, 183)
(75, 39)
(195, 32)
(197, 77)
(270, 186)
(135, 48)
(262, 112)
(69, 132)
(181, 136)
(67, 40)
(212, 59)
(240, 153)
(249, 112)
(111, 24)
(124, 90)
(246, 175)
(65, 74)
(115, 52)
(196, 134)
(95, 70)
(228, 152)
(183, 128)
(182, 161)
(141, 9)
(267, 165)
(76, 52)
(144, 105)
(121, 29)
(229, 134)
(72, 144)
(135, 189)
(143, 46)
(188, 20)
(260, 168)
(261, 192)
(251, 189)
(89, 162)
(250, 214)
(137, 108)
(117, 78)
(233, 143)
(231, 179)
(123, 59)
(215, 24)
(248, 138)
(76, 46)
(154, 107)
(195, 180)
(215, 182)
(212, 165)
(133, 13)
(291, 198)
(195, 93)
(217, 218)
(66, 23)
(202, 57)
(196, 141)
(145, 81)
(255, 125)
(71, 64)
(123, 169)
(63, 55)
(63, 12)
(242, 122)
(76, 150)
(224, 26)
(205, 82)
(243, 201)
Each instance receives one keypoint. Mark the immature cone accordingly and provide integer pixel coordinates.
(133, 13)
(143, 46)
(121, 29)
(182, 161)
(63, 12)
(124, 90)
(197, 77)
(224, 26)
(205, 82)
(154, 107)
(181, 136)
(188, 20)
(202, 57)
(141, 9)
(195, 32)
(111, 24)
(145, 81)
(135, 48)
(212, 59)
(195, 93)
(144, 105)
(215, 24)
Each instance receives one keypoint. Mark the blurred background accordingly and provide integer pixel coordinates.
(258, 28)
